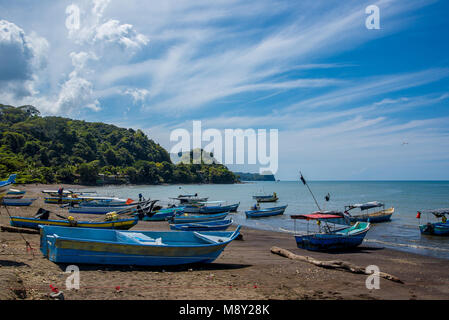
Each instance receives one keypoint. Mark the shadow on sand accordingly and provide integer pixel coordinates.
(10, 263)
(180, 268)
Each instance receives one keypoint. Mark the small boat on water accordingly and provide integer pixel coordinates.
(41, 218)
(435, 228)
(330, 238)
(146, 248)
(4, 185)
(265, 212)
(266, 198)
(24, 202)
(215, 225)
(209, 207)
(188, 218)
(373, 217)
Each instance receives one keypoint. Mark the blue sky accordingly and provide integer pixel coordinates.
(344, 98)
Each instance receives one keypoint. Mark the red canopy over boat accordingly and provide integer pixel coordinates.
(315, 216)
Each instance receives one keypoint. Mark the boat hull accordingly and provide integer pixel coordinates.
(332, 241)
(437, 229)
(265, 212)
(110, 247)
(203, 218)
(97, 210)
(163, 214)
(24, 202)
(218, 225)
(34, 223)
(375, 217)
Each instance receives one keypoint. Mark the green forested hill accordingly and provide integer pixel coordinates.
(55, 149)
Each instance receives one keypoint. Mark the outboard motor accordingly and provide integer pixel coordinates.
(42, 214)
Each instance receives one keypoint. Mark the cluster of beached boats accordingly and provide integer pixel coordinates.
(198, 226)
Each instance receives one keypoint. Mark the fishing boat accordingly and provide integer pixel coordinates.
(41, 218)
(215, 225)
(74, 198)
(4, 185)
(189, 198)
(188, 218)
(266, 198)
(208, 207)
(373, 217)
(106, 202)
(146, 248)
(95, 210)
(330, 238)
(265, 212)
(55, 193)
(435, 228)
(24, 202)
(163, 214)
(15, 192)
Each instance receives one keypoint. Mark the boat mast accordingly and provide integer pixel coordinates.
(305, 183)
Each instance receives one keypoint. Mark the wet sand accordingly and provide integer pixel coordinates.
(245, 270)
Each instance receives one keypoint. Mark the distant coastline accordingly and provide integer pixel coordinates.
(247, 176)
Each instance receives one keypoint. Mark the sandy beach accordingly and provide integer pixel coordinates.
(245, 270)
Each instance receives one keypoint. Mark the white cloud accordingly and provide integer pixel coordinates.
(22, 57)
(122, 34)
(76, 93)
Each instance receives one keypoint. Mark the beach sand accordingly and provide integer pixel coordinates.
(245, 270)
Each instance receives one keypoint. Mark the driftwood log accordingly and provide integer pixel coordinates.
(332, 264)
(18, 230)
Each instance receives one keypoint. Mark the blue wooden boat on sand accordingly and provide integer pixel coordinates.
(6, 183)
(216, 225)
(164, 214)
(41, 218)
(145, 248)
(188, 218)
(265, 212)
(328, 238)
(23, 202)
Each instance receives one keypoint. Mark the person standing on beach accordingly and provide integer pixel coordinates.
(60, 193)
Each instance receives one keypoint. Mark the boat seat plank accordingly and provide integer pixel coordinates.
(211, 239)
(138, 237)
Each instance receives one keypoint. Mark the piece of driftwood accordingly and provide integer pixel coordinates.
(332, 264)
(18, 230)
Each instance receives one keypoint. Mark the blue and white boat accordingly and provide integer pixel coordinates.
(98, 210)
(188, 218)
(265, 212)
(215, 225)
(435, 228)
(24, 202)
(330, 238)
(146, 248)
(7, 183)
(163, 214)
(208, 207)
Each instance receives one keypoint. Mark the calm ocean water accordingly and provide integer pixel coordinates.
(402, 233)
